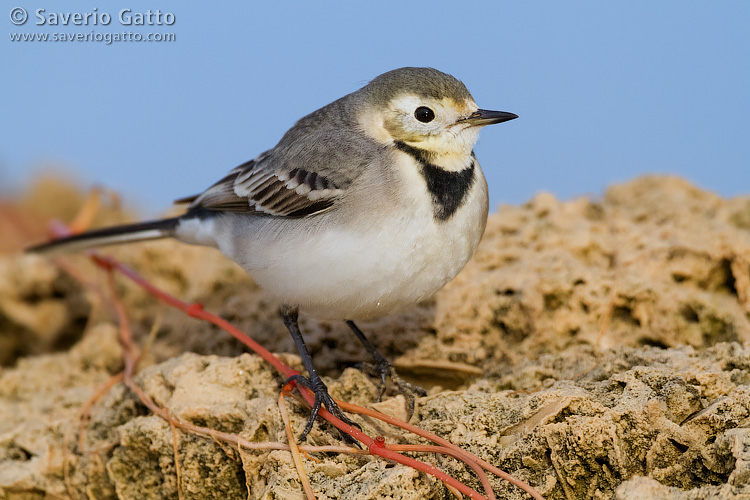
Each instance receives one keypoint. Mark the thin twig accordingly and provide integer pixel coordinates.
(294, 449)
(352, 408)
(197, 311)
(155, 327)
(87, 213)
(86, 409)
(176, 451)
(373, 446)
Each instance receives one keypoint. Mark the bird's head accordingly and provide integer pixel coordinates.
(426, 109)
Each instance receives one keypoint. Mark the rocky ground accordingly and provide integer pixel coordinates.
(596, 348)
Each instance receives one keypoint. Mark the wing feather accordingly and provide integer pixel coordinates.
(303, 175)
(253, 187)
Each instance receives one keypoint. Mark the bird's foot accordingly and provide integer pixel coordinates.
(383, 369)
(322, 398)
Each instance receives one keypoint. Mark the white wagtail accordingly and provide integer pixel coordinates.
(367, 205)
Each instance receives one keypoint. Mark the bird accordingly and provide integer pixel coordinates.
(370, 204)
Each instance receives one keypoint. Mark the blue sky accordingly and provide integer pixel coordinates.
(605, 90)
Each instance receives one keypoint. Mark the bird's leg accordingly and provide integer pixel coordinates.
(383, 368)
(314, 383)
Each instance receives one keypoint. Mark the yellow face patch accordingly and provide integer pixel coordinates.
(446, 136)
(401, 120)
(464, 107)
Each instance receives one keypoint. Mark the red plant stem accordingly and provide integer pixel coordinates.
(426, 448)
(381, 450)
(126, 339)
(352, 408)
(374, 447)
(197, 311)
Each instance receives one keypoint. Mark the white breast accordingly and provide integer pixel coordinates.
(363, 260)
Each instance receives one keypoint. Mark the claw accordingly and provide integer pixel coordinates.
(384, 369)
(408, 390)
(314, 383)
(322, 398)
(376, 371)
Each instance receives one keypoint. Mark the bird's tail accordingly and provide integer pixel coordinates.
(128, 233)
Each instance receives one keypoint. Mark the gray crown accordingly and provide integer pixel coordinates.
(425, 82)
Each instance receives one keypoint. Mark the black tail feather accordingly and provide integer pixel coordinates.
(139, 231)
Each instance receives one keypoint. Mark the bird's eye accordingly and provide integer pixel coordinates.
(424, 114)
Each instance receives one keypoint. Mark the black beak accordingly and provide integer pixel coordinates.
(482, 117)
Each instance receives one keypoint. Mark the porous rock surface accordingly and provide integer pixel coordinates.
(596, 348)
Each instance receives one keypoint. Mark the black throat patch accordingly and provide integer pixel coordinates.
(448, 189)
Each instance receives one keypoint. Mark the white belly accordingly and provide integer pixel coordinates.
(359, 268)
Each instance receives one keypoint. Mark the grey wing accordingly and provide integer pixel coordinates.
(293, 181)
